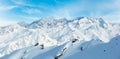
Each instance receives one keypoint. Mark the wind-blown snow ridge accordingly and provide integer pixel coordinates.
(48, 32)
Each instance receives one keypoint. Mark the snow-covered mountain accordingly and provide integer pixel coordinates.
(48, 38)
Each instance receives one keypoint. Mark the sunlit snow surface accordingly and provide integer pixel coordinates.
(80, 38)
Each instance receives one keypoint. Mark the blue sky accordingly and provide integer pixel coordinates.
(12, 11)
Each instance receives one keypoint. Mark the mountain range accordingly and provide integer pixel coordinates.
(49, 38)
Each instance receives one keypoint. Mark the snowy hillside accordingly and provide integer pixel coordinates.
(47, 38)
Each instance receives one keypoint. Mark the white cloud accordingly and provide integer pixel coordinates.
(21, 2)
(32, 11)
(114, 15)
(31, 18)
(5, 8)
(61, 13)
(109, 11)
(68, 10)
(6, 22)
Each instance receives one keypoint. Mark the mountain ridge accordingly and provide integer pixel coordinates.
(54, 32)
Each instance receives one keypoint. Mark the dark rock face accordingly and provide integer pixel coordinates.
(36, 44)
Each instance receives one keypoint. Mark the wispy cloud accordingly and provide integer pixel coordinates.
(6, 8)
(29, 9)
(109, 10)
(113, 9)
(6, 22)
(67, 10)
(32, 11)
(61, 13)
(21, 2)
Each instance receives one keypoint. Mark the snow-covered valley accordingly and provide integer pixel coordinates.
(47, 38)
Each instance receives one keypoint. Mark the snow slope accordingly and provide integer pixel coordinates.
(47, 38)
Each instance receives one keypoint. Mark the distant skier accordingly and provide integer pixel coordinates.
(104, 50)
(81, 48)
